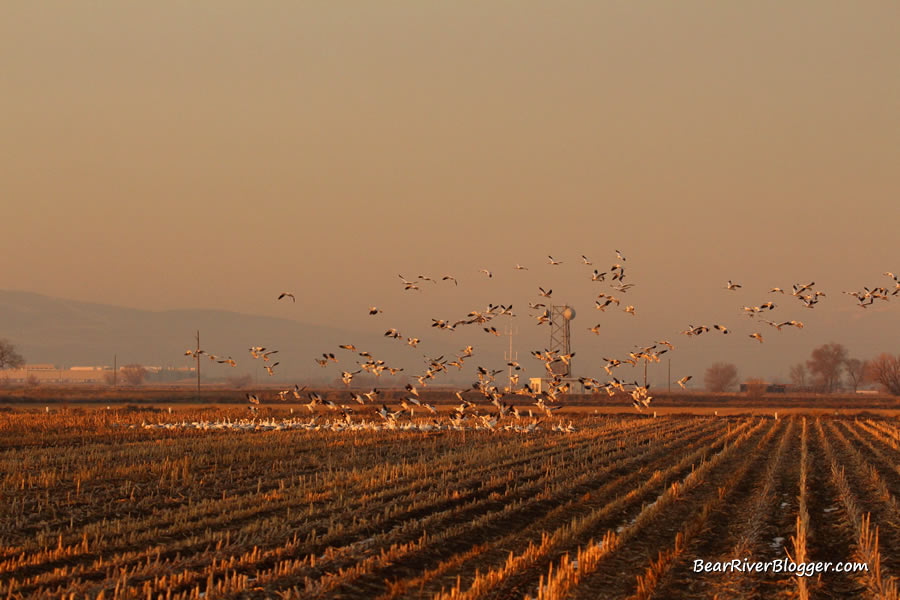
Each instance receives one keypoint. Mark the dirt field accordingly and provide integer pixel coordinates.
(95, 503)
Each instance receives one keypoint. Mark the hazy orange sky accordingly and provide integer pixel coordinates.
(213, 154)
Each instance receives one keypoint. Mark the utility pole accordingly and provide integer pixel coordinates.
(197, 357)
(115, 370)
(670, 375)
(645, 371)
(510, 357)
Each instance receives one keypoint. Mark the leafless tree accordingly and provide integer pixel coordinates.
(799, 376)
(720, 377)
(856, 371)
(134, 374)
(826, 364)
(9, 358)
(756, 388)
(885, 369)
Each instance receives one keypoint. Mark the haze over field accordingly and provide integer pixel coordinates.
(213, 155)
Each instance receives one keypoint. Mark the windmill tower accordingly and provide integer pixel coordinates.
(560, 336)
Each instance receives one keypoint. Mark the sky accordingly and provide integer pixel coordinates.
(214, 154)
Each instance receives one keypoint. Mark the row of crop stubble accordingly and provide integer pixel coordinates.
(618, 509)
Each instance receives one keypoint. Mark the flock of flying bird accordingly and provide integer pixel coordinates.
(501, 414)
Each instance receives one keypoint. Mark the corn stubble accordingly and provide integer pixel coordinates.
(94, 506)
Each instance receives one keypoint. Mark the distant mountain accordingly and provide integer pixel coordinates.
(70, 333)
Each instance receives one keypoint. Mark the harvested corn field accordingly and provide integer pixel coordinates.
(95, 505)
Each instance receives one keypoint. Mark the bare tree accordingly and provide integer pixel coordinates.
(826, 364)
(799, 376)
(9, 358)
(134, 374)
(856, 371)
(756, 387)
(720, 377)
(885, 369)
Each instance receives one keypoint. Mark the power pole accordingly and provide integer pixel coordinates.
(645, 371)
(510, 357)
(197, 357)
(115, 370)
(670, 375)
